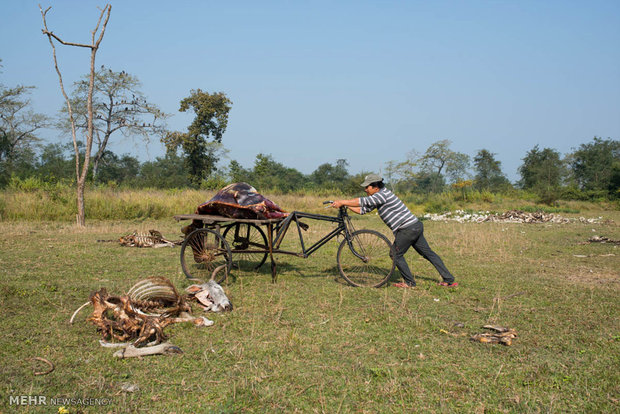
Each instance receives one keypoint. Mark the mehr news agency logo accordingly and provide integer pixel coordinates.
(43, 400)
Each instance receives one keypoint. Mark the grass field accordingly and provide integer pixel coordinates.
(310, 343)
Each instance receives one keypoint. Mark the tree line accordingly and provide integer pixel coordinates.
(106, 104)
(194, 157)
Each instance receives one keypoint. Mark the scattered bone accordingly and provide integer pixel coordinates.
(452, 333)
(107, 344)
(502, 335)
(77, 311)
(499, 329)
(594, 255)
(127, 387)
(165, 348)
(51, 366)
(601, 239)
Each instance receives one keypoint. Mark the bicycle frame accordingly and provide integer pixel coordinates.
(344, 226)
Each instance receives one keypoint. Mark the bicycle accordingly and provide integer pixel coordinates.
(364, 257)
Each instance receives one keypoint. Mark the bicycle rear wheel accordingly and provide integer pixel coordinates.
(248, 245)
(205, 255)
(376, 262)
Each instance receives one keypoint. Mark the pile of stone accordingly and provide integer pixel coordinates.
(518, 216)
(512, 216)
(459, 215)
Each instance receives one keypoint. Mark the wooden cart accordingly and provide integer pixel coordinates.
(225, 241)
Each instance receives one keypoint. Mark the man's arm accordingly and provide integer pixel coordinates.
(353, 204)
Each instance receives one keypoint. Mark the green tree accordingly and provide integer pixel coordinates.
(237, 173)
(401, 176)
(201, 143)
(489, 175)
(439, 161)
(352, 186)
(331, 176)
(166, 172)
(542, 171)
(123, 169)
(118, 106)
(18, 130)
(268, 174)
(595, 164)
(55, 162)
(431, 182)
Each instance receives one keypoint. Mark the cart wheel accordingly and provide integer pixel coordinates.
(205, 255)
(376, 262)
(248, 245)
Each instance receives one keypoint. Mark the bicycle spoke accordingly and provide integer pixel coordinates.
(205, 255)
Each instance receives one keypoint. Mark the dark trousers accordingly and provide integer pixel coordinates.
(414, 236)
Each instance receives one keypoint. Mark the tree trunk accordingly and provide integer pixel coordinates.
(99, 155)
(81, 213)
(80, 173)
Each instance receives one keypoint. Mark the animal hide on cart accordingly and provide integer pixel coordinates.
(241, 200)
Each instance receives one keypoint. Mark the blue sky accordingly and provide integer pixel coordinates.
(368, 81)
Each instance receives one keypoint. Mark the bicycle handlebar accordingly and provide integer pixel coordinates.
(342, 209)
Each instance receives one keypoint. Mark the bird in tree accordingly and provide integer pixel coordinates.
(118, 106)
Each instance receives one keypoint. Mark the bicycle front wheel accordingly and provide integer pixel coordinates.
(368, 261)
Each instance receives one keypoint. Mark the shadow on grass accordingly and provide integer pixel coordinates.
(282, 268)
(301, 271)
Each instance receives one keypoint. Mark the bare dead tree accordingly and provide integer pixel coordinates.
(81, 172)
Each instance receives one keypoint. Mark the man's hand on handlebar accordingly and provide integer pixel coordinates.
(352, 204)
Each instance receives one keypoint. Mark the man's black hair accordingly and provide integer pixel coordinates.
(377, 184)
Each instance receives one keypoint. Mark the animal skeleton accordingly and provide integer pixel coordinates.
(139, 317)
(151, 239)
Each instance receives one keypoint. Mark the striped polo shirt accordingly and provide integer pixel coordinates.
(391, 209)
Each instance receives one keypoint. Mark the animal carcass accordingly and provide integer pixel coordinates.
(241, 200)
(138, 318)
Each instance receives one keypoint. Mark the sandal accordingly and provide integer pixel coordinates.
(446, 284)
